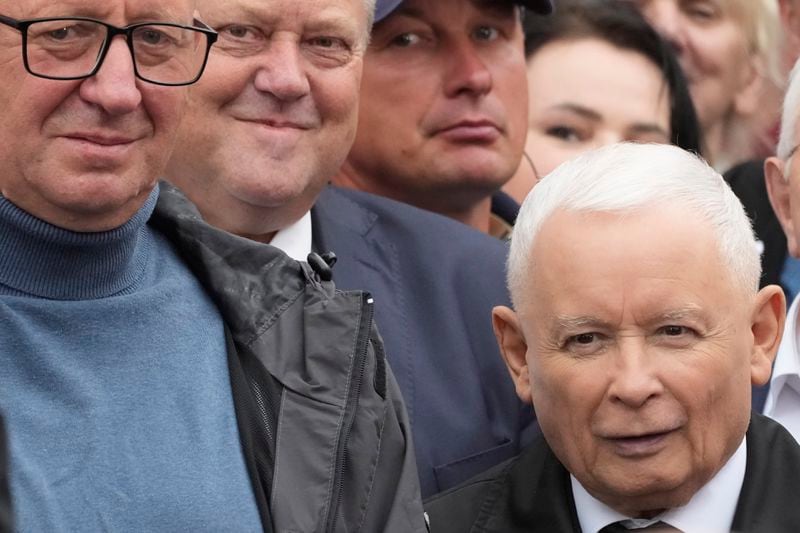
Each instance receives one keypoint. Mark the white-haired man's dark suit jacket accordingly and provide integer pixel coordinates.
(532, 493)
(434, 282)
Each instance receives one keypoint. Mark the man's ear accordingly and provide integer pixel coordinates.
(769, 316)
(780, 196)
(513, 348)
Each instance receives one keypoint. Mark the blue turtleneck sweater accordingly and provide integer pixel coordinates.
(114, 383)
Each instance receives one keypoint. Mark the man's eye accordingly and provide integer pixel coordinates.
(585, 344)
(674, 331)
(60, 34)
(486, 33)
(329, 43)
(677, 337)
(582, 341)
(406, 39)
(237, 32)
(151, 37)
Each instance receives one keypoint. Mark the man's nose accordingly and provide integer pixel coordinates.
(281, 71)
(634, 378)
(113, 87)
(468, 71)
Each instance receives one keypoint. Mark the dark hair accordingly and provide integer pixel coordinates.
(620, 24)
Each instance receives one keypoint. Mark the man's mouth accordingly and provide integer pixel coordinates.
(101, 139)
(470, 131)
(278, 123)
(640, 444)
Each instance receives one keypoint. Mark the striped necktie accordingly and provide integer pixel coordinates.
(658, 527)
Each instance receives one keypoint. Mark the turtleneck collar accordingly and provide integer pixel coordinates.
(41, 260)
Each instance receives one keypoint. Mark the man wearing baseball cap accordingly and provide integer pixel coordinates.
(443, 107)
(385, 8)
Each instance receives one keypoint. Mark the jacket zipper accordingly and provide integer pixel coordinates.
(357, 378)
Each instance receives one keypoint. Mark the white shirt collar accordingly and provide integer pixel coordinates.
(295, 239)
(786, 362)
(710, 510)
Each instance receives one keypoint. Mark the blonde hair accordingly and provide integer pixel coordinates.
(760, 21)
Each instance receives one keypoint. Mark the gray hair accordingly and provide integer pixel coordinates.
(370, 6)
(625, 177)
(791, 109)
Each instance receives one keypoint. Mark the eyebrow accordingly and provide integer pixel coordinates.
(692, 312)
(408, 11)
(563, 322)
(581, 322)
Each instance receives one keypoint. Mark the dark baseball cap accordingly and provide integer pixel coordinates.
(384, 7)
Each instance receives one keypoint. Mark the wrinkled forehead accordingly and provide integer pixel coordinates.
(115, 11)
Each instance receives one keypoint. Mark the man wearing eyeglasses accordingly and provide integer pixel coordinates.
(158, 374)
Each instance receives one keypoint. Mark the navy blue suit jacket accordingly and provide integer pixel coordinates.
(434, 281)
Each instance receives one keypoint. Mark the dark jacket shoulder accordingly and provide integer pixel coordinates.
(364, 212)
(771, 480)
(322, 424)
(532, 492)
(529, 493)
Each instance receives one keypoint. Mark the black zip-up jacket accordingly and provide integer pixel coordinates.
(322, 425)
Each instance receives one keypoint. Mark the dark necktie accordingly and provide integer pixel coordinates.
(658, 527)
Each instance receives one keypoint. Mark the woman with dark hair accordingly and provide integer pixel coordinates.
(598, 73)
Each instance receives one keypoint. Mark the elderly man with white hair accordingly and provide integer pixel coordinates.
(647, 331)
(782, 175)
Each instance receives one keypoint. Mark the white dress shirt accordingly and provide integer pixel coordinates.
(710, 510)
(295, 240)
(783, 399)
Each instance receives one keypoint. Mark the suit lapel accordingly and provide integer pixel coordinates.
(367, 258)
(767, 501)
(538, 497)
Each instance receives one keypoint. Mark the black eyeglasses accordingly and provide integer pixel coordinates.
(73, 48)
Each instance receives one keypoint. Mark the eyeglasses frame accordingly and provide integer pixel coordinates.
(112, 31)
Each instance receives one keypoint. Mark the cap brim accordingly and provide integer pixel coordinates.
(384, 7)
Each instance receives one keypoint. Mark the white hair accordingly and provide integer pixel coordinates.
(625, 177)
(791, 108)
(370, 5)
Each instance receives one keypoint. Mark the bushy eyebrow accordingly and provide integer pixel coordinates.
(681, 314)
(571, 323)
(584, 322)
